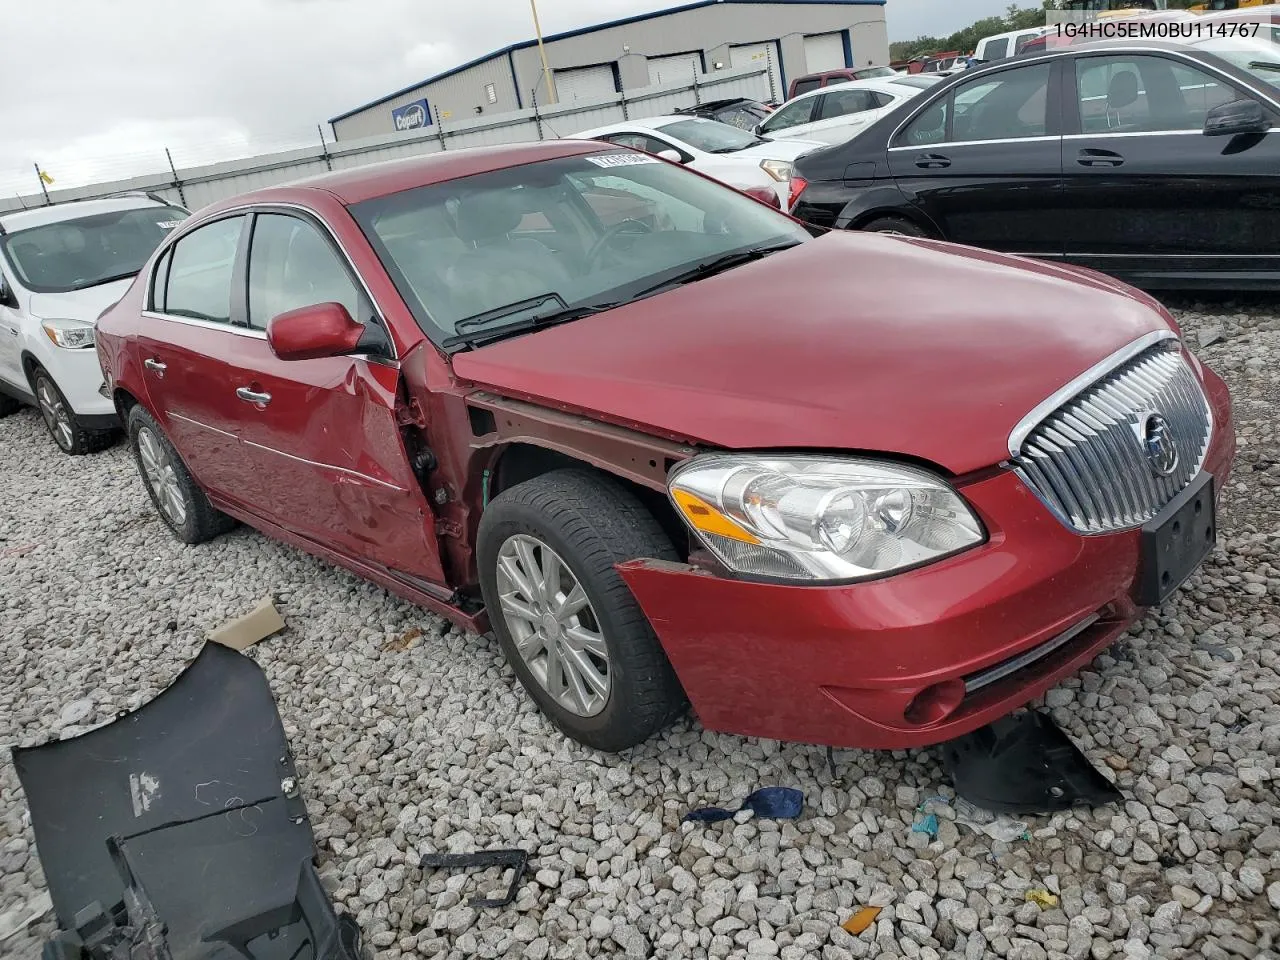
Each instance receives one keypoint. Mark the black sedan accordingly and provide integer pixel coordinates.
(1155, 162)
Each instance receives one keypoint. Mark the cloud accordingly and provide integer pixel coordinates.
(95, 90)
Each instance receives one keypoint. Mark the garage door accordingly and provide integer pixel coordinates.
(679, 68)
(585, 83)
(759, 55)
(824, 52)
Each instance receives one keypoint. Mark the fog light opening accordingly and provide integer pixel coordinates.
(934, 704)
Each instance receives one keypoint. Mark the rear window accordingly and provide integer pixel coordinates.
(995, 49)
(807, 84)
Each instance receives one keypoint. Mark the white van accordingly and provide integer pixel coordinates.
(61, 266)
(1004, 45)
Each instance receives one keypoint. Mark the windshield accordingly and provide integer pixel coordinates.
(710, 136)
(561, 234)
(80, 253)
(1254, 56)
(870, 73)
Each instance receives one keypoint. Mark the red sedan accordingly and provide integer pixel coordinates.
(851, 489)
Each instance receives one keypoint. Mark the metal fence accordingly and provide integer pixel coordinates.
(196, 187)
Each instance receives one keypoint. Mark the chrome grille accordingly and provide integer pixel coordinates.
(1088, 459)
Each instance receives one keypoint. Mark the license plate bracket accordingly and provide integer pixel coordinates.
(1176, 542)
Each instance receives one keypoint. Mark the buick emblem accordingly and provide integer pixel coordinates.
(1158, 445)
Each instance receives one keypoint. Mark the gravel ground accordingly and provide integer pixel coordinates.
(427, 744)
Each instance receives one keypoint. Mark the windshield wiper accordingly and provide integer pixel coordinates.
(473, 329)
(86, 284)
(716, 265)
(754, 143)
(1263, 65)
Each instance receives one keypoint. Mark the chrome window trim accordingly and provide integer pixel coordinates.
(1145, 133)
(1095, 373)
(925, 147)
(206, 324)
(266, 206)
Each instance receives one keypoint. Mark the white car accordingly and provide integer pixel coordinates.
(838, 113)
(1000, 46)
(61, 266)
(735, 157)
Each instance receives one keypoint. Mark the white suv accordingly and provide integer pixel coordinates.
(61, 266)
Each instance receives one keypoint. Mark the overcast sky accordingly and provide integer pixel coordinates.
(95, 89)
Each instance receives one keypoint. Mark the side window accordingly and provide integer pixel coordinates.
(807, 84)
(927, 127)
(841, 103)
(292, 265)
(1144, 94)
(1008, 105)
(880, 99)
(795, 112)
(160, 281)
(633, 140)
(199, 283)
(995, 49)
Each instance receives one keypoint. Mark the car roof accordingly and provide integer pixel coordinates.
(642, 123)
(380, 179)
(73, 210)
(1268, 12)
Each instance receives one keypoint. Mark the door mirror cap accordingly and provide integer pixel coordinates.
(308, 333)
(672, 155)
(1238, 116)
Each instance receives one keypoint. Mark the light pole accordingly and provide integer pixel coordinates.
(542, 52)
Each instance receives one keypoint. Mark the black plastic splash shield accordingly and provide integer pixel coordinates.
(1024, 764)
(188, 811)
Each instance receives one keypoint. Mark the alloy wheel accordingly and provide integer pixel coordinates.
(161, 477)
(56, 415)
(554, 627)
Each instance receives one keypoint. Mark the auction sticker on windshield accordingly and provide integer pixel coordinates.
(622, 159)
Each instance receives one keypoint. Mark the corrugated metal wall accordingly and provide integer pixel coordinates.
(199, 186)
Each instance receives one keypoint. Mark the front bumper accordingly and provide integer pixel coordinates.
(78, 375)
(911, 659)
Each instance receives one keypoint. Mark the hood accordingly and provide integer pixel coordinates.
(851, 341)
(775, 150)
(84, 304)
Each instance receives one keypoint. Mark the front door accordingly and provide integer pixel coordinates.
(1149, 195)
(984, 161)
(328, 458)
(11, 338)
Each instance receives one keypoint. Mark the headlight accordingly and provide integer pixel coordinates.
(820, 518)
(778, 169)
(71, 334)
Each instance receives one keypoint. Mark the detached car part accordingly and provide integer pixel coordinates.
(178, 832)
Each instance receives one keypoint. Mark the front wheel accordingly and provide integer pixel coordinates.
(566, 621)
(65, 428)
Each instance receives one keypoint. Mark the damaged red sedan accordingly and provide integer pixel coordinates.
(673, 446)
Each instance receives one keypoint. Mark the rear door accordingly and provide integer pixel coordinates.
(188, 342)
(1146, 191)
(984, 162)
(328, 459)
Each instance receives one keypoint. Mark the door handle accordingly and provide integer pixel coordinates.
(253, 396)
(929, 161)
(155, 365)
(1099, 158)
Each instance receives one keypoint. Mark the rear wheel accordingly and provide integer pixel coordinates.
(566, 621)
(896, 225)
(182, 505)
(65, 428)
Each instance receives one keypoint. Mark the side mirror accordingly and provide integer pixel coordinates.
(321, 330)
(1238, 116)
(7, 297)
(672, 155)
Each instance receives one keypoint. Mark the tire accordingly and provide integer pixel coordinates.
(61, 421)
(590, 522)
(898, 225)
(195, 519)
